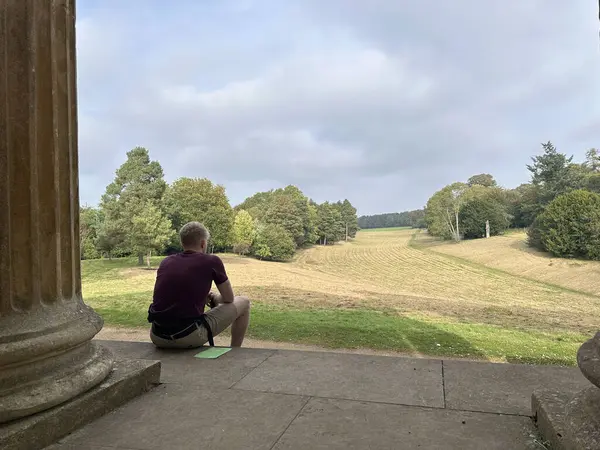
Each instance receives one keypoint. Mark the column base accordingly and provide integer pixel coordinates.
(127, 380)
(568, 420)
(47, 357)
(58, 379)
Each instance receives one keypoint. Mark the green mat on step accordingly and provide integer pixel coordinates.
(212, 352)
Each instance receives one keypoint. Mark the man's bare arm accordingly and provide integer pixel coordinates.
(226, 292)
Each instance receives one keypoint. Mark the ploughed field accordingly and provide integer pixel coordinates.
(396, 289)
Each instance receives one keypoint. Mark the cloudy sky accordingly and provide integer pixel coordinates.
(381, 101)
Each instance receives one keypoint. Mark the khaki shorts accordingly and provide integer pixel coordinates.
(219, 318)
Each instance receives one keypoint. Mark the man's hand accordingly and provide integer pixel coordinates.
(213, 299)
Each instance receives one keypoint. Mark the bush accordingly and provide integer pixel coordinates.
(274, 243)
(477, 211)
(88, 250)
(241, 248)
(569, 226)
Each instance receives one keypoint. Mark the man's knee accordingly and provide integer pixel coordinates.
(242, 304)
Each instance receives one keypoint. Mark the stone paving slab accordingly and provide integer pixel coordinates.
(84, 447)
(268, 399)
(124, 350)
(345, 425)
(503, 388)
(173, 416)
(180, 366)
(354, 377)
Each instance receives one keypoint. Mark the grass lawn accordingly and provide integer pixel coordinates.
(511, 254)
(382, 291)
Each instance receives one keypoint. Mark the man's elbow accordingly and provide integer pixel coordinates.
(228, 296)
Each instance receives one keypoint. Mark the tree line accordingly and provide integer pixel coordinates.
(559, 206)
(413, 219)
(139, 214)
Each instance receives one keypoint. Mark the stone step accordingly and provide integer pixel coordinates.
(129, 379)
(567, 419)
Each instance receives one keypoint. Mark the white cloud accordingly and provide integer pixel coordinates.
(263, 94)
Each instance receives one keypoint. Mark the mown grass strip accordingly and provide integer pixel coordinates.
(375, 330)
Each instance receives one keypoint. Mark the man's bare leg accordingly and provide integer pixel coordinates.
(240, 325)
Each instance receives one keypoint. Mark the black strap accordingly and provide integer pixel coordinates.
(204, 322)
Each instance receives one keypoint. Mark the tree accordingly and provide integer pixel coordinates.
(310, 230)
(457, 199)
(484, 179)
(287, 207)
(198, 199)
(110, 236)
(592, 160)
(435, 213)
(593, 182)
(244, 232)
(283, 211)
(151, 230)
(304, 221)
(578, 176)
(138, 182)
(273, 243)
(416, 218)
(330, 227)
(90, 221)
(569, 226)
(443, 211)
(303, 210)
(349, 218)
(257, 205)
(525, 205)
(477, 211)
(552, 173)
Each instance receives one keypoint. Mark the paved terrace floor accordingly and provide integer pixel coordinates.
(273, 399)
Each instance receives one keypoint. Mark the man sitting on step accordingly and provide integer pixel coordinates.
(183, 289)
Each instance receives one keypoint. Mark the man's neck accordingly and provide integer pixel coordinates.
(193, 250)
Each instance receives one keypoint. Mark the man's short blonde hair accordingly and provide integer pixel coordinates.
(192, 233)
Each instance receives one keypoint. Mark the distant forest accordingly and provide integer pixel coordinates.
(414, 219)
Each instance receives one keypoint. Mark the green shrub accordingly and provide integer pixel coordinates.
(569, 226)
(274, 243)
(88, 250)
(477, 211)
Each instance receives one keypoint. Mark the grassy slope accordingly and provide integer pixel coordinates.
(381, 292)
(511, 254)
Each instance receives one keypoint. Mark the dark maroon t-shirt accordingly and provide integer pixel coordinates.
(183, 282)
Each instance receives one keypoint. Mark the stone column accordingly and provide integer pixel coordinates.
(46, 353)
(582, 412)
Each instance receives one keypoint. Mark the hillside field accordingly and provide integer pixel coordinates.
(511, 253)
(396, 289)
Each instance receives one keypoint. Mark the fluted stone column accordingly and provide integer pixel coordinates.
(46, 353)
